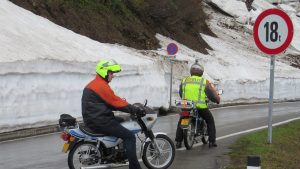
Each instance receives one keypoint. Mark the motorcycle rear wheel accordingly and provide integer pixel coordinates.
(152, 159)
(84, 154)
(189, 136)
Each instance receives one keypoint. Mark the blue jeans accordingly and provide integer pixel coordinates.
(114, 128)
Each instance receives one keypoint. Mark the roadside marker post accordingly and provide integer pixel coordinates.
(172, 49)
(253, 162)
(272, 32)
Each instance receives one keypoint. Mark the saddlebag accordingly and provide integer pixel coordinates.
(66, 120)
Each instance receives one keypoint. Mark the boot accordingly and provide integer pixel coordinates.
(212, 144)
(178, 144)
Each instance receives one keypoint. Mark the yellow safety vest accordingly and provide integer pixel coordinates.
(193, 88)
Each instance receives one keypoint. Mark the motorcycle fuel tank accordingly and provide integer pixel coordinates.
(133, 126)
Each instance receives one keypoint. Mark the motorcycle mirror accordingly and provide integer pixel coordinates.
(145, 103)
(220, 92)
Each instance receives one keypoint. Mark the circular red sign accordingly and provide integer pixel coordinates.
(273, 31)
(172, 49)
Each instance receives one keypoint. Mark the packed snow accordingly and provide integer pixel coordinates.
(237, 8)
(44, 67)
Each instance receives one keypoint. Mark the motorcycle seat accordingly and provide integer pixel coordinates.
(89, 132)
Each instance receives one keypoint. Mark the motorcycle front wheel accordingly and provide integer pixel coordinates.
(155, 159)
(84, 154)
(189, 135)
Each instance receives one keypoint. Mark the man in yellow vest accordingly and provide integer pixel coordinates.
(197, 89)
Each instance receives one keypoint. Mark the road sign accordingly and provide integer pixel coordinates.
(273, 31)
(172, 49)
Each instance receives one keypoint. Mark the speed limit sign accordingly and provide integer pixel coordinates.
(273, 31)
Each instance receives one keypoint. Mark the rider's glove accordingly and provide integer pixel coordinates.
(138, 111)
(141, 112)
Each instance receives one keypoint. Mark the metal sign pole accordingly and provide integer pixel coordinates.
(171, 80)
(271, 99)
(172, 49)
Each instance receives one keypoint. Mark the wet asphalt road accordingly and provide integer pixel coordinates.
(44, 152)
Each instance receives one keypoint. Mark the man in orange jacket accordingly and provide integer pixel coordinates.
(98, 102)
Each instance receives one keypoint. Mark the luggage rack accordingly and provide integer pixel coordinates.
(184, 104)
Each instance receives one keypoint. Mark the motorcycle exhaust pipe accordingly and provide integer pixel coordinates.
(106, 166)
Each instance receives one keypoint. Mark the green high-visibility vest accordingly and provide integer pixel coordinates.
(193, 88)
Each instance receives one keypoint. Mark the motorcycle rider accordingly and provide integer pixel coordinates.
(98, 102)
(197, 89)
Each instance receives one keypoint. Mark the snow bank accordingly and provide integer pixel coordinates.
(44, 68)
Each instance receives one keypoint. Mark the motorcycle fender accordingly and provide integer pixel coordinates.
(155, 134)
(148, 139)
(73, 144)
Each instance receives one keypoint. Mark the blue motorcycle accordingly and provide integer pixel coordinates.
(88, 150)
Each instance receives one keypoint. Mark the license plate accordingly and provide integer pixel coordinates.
(65, 147)
(185, 122)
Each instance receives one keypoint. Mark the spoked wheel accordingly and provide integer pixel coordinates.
(204, 138)
(189, 135)
(162, 158)
(84, 154)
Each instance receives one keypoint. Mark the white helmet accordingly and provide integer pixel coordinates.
(196, 69)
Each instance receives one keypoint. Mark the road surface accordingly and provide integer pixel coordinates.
(44, 152)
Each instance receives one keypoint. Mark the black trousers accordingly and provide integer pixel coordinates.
(114, 128)
(208, 117)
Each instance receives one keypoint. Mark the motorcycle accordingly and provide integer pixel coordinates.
(193, 125)
(88, 150)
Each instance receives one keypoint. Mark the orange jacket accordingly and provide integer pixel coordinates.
(98, 102)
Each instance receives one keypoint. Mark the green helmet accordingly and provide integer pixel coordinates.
(105, 66)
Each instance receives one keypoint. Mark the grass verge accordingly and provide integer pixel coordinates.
(283, 153)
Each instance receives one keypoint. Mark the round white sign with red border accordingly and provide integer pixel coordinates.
(273, 31)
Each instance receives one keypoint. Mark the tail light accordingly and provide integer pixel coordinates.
(185, 114)
(65, 136)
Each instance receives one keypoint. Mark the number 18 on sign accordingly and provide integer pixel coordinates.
(273, 32)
